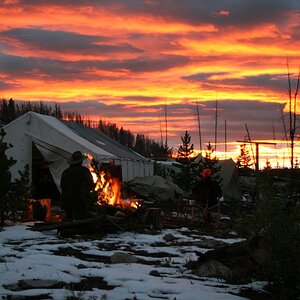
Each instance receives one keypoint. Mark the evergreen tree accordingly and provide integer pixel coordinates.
(186, 178)
(19, 195)
(11, 110)
(5, 177)
(244, 161)
(57, 111)
(186, 149)
(209, 151)
(4, 112)
(268, 165)
(140, 145)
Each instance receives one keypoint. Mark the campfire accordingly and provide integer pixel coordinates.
(109, 188)
(124, 211)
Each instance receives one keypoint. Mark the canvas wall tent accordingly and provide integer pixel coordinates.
(56, 140)
(228, 174)
(230, 180)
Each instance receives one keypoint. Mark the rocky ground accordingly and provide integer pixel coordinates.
(207, 256)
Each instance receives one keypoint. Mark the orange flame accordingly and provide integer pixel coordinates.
(109, 189)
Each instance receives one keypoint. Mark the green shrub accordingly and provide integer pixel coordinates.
(280, 231)
(276, 221)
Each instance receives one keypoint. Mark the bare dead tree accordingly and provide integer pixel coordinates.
(292, 111)
(284, 126)
(166, 122)
(216, 125)
(161, 134)
(248, 139)
(199, 127)
(274, 139)
(225, 138)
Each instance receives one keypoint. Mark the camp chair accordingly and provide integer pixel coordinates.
(195, 210)
(189, 210)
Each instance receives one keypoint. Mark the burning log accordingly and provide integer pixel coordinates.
(108, 186)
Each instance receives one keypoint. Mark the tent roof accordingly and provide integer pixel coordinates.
(89, 138)
(60, 127)
(104, 142)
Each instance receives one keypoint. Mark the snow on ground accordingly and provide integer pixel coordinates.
(46, 266)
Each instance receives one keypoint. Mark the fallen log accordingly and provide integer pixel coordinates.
(252, 247)
(77, 224)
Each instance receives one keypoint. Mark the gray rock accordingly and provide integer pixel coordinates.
(214, 269)
(31, 283)
(154, 273)
(169, 237)
(210, 243)
(122, 258)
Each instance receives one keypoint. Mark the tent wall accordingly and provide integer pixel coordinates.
(132, 169)
(56, 141)
(230, 180)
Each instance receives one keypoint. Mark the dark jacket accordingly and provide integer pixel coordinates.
(207, 191)
(76, 186)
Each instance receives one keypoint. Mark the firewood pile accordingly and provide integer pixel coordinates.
(144, 204)
(111, 219)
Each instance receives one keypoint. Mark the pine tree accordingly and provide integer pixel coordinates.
(13, 196)
(5, 177)
(185, 179)
(209, 151)
(186, 149)
(244, 160)
(210, 161)
(268, 165)
(140, 145)
(19, 195)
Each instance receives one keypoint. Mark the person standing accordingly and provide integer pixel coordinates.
(207, 191)
(76, 187)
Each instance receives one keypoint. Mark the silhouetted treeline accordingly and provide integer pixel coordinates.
(10, 110)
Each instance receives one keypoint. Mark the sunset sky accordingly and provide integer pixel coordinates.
(126, 61)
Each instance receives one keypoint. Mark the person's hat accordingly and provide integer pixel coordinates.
(76, 158)
(206, 172)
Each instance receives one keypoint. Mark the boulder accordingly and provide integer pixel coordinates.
(122, 258)
(215, 269)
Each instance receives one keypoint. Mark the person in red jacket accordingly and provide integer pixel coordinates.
(76, 187)
(207, 191)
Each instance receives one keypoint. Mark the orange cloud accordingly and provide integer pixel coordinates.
(126, 62)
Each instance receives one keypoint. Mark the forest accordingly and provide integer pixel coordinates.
(10, 110)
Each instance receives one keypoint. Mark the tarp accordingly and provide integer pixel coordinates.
(56, 141)
(230, 180)
(156, 188)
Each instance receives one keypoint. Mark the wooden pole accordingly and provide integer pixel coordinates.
(249, 140)
(199, 128)
(216, 126)
(161, 135)
(225, 139)
(166, 121)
